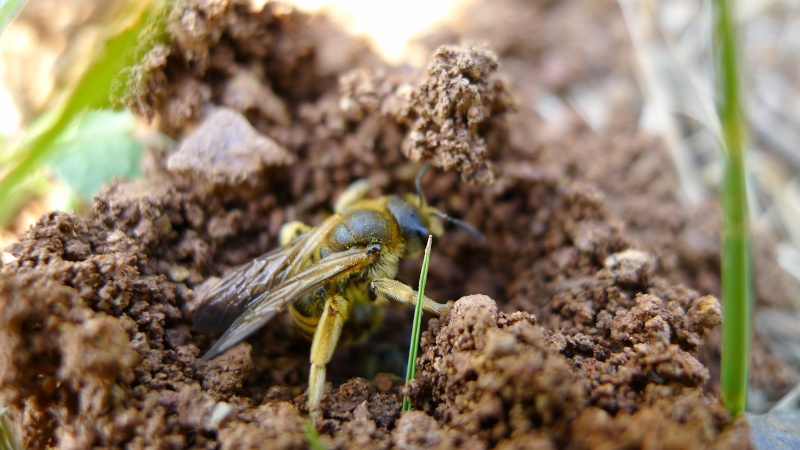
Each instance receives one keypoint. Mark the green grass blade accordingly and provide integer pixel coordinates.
(736, 281)
(414, 347)
(312, 437)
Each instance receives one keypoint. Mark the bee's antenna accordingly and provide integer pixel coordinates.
(477, 235)
(418, 181)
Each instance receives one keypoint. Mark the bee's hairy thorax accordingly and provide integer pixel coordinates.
(385, 221)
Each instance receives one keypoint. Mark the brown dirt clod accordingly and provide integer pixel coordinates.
(456, 115)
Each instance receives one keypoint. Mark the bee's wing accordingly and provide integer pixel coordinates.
(239, 289)
(269, 303)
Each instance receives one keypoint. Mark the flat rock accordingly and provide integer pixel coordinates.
(225, 150)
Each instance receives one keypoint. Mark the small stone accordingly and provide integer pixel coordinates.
(178, 274)
(225, 150)
(629, 267)
(221, 411)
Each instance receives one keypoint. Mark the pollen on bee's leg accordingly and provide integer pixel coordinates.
(387, 290)
(447, 307)
(355, 192)
(326, 336)
(316, 387)
(292, 230)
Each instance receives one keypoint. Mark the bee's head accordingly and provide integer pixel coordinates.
(417, 219)
(415, 222)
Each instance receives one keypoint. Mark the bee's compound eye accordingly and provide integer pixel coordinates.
(373, 249)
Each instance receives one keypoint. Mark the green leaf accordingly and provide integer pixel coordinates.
(100, 146)
(92, 91)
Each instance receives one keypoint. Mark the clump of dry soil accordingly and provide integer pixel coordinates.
(579, 340)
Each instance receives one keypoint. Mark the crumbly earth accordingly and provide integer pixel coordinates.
(583, 335)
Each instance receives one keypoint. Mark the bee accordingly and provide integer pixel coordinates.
(334, 278)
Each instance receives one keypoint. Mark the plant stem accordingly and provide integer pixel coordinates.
(736, 285)
(412, 352)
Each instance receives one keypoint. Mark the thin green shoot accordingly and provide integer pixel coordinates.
(736, 275)
(412, 352)
(312, 436)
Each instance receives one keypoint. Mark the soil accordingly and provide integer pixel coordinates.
(595, 324)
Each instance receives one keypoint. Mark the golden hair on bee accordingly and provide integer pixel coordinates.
(334, 278)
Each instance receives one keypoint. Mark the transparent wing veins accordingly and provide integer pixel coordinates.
(263, 308)
(240, 288)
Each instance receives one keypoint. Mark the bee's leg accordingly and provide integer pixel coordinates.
(290, 230)
(388, 290)
(355, 192)
(326, 337)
